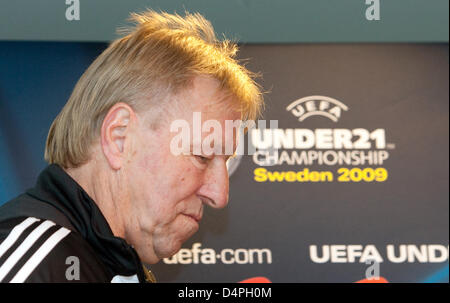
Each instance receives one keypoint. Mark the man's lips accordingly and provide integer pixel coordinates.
(196, 218)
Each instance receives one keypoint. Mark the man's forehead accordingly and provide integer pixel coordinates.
(203, 120)
(206, 95)
(222, 138)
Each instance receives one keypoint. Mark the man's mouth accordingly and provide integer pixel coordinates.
(196, 218)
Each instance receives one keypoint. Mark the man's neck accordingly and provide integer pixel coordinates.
(101, 185)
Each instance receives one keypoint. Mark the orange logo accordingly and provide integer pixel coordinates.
(373, 280)
(256, 280)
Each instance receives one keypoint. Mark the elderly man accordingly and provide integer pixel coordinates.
(115, 193)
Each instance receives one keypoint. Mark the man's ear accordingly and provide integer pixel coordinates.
(114, 132)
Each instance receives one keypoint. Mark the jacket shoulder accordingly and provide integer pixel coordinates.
(39, 250)
(26, 205)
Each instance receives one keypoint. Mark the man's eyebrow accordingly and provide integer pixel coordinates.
(220, 148)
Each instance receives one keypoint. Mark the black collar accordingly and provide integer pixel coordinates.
(55, 187)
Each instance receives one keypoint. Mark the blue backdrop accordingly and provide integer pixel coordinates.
(36, 79)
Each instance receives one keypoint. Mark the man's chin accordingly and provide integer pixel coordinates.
(153, 257)
(168, 249)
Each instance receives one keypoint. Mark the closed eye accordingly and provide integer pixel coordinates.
(202, 159)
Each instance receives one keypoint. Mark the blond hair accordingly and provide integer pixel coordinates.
(160, 55)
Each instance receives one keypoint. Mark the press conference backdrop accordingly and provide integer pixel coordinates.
(355, 171)
(361, 171)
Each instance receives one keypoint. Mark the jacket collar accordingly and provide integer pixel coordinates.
(55, 187)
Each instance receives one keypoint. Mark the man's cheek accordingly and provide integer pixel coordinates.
(147, 163)
(163, 212)
(182, 228)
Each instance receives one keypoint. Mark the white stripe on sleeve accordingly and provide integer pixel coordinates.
(15, 234)
(39, 255)
(23, 248)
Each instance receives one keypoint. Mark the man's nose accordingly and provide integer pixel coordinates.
(215, 187)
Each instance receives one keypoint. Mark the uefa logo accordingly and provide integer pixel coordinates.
(317, 106)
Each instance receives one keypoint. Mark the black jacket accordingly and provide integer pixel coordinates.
(56, 233)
